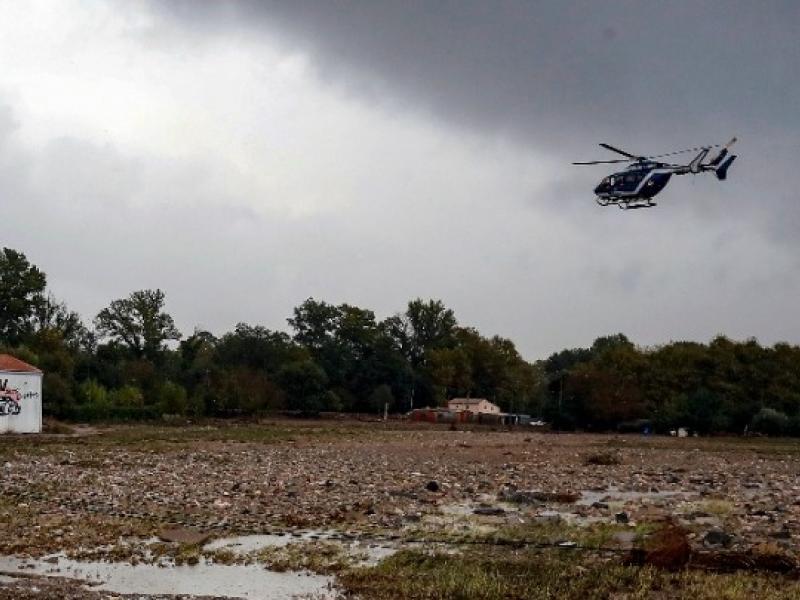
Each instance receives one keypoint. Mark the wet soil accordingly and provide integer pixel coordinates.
(373, 483)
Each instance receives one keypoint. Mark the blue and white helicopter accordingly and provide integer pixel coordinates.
(645, 177)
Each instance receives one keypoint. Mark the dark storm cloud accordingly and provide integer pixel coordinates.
(554, 70)
(648, 76)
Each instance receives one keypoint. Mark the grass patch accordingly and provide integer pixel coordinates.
(546, 533)
(768, 447)
(718, 508)
(525, 574)
(318, 557)
(165, 439)
(593, 535)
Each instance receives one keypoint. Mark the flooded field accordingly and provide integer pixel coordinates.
(317, 510)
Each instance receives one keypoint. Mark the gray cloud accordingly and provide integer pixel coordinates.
(446, 174)
(631, 69)
(562, 76)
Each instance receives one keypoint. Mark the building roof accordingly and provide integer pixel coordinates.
(468, 400)
(9, 363)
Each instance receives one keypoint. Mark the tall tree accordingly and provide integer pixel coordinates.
(21, 287)
(314, 323)
(51, 317)
(139, 322)
(257, 347)
(304, 383)
(424, 326)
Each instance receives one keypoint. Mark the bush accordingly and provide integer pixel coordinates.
(770, 421)
(172, 399)
(127, 396)
(94, 397)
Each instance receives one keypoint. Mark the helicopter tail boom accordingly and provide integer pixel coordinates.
(697, 162)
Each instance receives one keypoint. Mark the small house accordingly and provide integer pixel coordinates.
(20, 396)
(478, 406)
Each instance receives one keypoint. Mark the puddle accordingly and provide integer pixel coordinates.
(252, 582)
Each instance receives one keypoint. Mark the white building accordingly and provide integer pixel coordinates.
(20, 396)
(474, 405)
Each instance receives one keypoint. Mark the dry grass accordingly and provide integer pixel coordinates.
(602, 458)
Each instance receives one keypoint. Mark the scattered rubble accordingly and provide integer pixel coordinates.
(733, 503)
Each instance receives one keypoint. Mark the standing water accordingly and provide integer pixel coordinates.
(252, 582)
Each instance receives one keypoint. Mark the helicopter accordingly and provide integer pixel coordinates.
(646, 176)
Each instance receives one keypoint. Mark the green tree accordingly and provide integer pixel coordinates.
(250, 346)
(305, 385)
(52, 318)
(139, 322)
(21, 287)
(241, 390)
(314, 323)
(431, 325)
(58, 398)
(380, 397)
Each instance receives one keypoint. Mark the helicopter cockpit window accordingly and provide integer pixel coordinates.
(611, 180)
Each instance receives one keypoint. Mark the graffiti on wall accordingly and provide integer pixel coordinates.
(11, 399)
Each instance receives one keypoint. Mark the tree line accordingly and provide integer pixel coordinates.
(131, 362)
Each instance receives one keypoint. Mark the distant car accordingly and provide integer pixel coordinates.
(537, 423)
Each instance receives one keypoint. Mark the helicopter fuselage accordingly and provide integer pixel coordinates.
(641, 181)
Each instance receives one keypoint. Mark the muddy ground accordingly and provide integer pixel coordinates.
(392, 486)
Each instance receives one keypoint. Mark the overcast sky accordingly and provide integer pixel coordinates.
(244, 156)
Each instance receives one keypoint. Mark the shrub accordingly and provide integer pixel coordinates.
(127, 396)
(770, 421)
(92, 392)
(172, 399)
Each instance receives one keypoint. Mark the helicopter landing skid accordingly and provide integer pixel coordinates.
(603, 201)
(625, 203)
(635, 205)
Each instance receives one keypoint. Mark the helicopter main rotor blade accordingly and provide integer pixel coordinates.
(696, 149)
(601, 162)
(617, 150)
